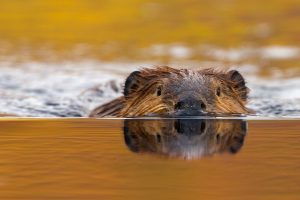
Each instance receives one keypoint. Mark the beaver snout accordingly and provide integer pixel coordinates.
(190, 106)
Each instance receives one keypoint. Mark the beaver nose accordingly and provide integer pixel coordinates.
(191, 105)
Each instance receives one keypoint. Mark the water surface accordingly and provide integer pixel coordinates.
(72, 89)
(92, 159)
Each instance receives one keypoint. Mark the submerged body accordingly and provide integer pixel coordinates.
(165, 91)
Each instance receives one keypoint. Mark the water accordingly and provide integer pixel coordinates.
(93, 159)
(64, 58)
(69, 89)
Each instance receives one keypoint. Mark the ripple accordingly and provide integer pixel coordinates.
(72, 89)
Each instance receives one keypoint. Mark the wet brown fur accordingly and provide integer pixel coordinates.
(140, 88)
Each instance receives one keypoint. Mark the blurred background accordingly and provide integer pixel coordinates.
(55, 53)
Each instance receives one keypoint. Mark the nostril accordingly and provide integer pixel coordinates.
(182, 105)
(178, 105)
(203, 106)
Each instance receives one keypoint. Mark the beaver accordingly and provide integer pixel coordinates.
(185, 138)
(165, 91)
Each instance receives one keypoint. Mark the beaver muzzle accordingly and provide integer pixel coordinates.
(189, 106)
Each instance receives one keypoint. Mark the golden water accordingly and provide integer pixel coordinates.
(116, 30)
(113, 159)
(89, 159)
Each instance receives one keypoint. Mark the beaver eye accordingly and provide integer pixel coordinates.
(158, 91)
(218, 91)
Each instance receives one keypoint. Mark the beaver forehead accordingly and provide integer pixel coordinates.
(189, 81)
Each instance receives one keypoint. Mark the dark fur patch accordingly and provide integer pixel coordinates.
(239, 83)
(131, 83)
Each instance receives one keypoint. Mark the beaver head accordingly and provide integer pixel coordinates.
(164, 91)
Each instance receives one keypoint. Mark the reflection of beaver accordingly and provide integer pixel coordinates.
(184, 138)
(164, 91)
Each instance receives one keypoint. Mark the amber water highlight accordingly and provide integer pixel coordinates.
(90, 159)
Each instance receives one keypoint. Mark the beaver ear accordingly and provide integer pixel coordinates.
(132, 83)
(239, 83)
